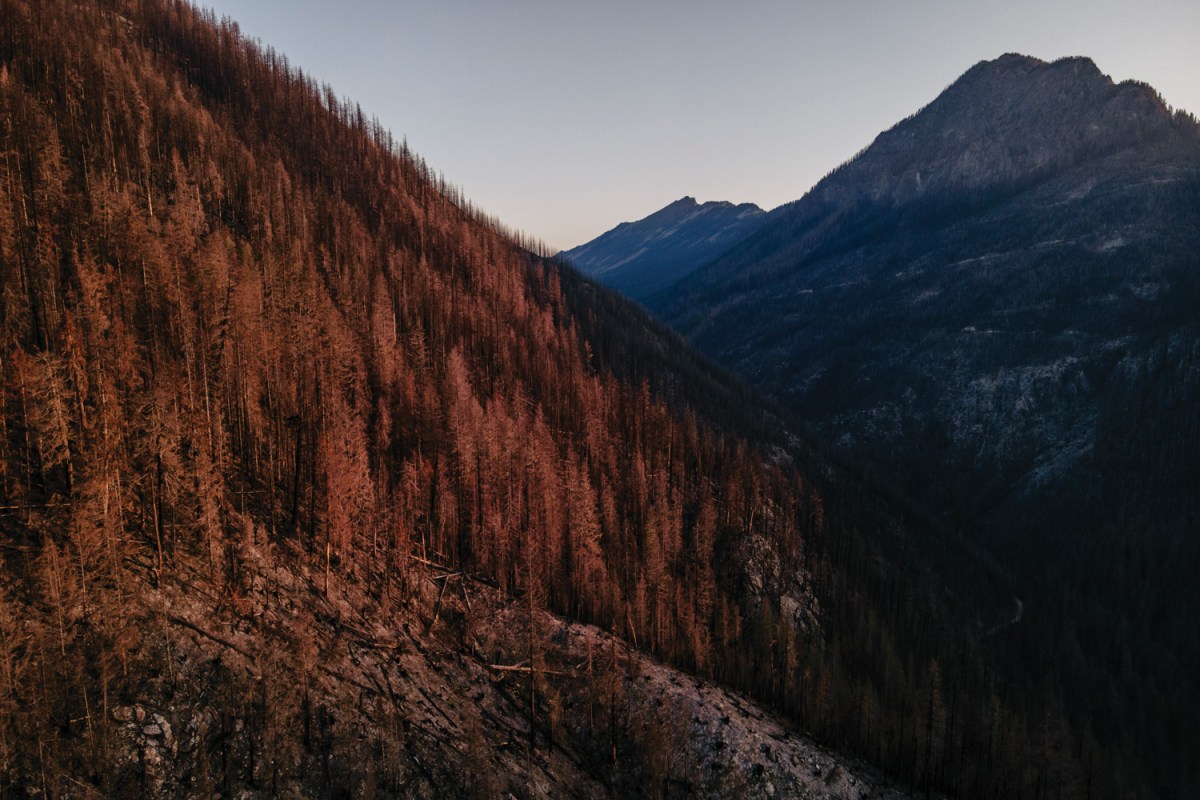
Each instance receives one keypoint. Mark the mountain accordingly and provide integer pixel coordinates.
(994, 307)
(316, 481)
(642, 258)
(1019, 227)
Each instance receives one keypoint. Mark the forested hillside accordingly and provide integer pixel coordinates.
(266, 379)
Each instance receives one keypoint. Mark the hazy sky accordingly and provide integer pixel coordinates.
(564, 118)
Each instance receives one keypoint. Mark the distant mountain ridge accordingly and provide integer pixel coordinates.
(1002, 125)
(643, 257)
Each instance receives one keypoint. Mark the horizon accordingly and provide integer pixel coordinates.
(563, 135)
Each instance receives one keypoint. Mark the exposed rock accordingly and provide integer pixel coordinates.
(453, 722)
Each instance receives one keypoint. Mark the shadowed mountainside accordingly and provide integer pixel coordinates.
(994, 306)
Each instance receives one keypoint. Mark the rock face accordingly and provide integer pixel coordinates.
(1004, 123)
(642, 258)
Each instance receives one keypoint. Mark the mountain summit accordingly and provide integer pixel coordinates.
(1003, 123)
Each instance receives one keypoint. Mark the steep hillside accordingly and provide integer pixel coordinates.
(417, 685)
(993, 305)
(312, 479)
(640, 259)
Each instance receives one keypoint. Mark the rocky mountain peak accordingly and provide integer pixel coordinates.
(1003, 123)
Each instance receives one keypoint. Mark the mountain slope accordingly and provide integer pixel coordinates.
(988, 305)
(641, 258)
(1014, 232)
(274, 399)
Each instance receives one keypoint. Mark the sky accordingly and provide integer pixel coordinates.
(564, 118)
